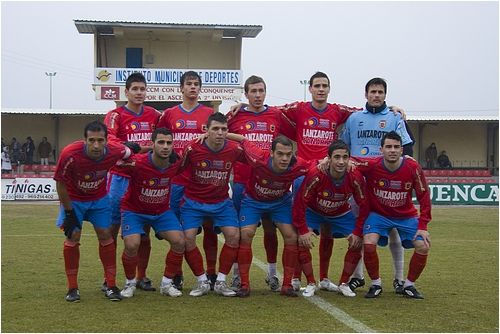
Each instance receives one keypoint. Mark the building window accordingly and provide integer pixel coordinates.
(134, 58)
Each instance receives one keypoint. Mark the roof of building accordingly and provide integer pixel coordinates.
(39, 111)
(106, 27)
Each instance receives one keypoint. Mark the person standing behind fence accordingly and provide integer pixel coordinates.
(44, 149)
(29, 150)
(431, 156)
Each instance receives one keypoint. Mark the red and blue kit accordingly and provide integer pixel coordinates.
(85, 178)
(185, 126)
(149, 186)
(315, 129)
(210, 170)
(390, 192)
(327, 197)
(260, 128)
(266, 185)
(124, 125)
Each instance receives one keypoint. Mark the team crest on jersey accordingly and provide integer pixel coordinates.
(407, 185)
(382, 124)
(229, 165)
(334, 126)
(204, 164)
(272, 128)
(204, 127)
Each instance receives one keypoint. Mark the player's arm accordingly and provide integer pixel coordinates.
(112, 122)
(70, 219)
(359, 194)
(306, 191)
(235, 137)
(423, 197)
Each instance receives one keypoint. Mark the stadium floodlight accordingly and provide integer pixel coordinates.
(304, 83)
(50, 75)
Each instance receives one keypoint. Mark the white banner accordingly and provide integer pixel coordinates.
(167, 76)
(169, 93)
(29, 189)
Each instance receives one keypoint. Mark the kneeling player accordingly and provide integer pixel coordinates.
(323, 198)
(391, 180)
(147, 203)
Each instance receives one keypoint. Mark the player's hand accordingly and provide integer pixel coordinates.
(70, 223)
(351, 166)
(234, 109)
(201, 138)
(324, 164)
(305, 240)
(133, 146)
(355, 242)
(425, 235)
(398, 110)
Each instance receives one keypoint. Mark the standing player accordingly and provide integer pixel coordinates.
(362, 132)
(80, 177)
(147, 202)
(259, 124)
(323, 199)
(391, 180)
(206, 196)
(267, 193)
(132, 123)
(187, 121)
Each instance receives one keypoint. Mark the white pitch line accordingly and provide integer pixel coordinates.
(337, 313)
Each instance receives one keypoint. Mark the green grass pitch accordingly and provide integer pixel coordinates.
(460, 285)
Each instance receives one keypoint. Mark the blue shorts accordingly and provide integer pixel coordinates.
(194, 213)
(98, 212)
(407, 228)
(176, 193)
(237, 189)
(342, 226)
(296, 185)
(117, 189)
(133, 222)
(279, 211)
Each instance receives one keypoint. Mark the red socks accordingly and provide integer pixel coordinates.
(228, 256)
(210, 247)
(325, 254)
(371, 261)
(195, 261)
(129, 265)
(305, 259)
(351, 260)
(107, 253)
(244, 261)
(417, 265)
(290, 260)
(173, 263)
(71, 252)
(143, 257)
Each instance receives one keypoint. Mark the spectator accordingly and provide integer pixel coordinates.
(6, 165)
(443, 160)
(44, 150)
(431, 155)
(3, 144)
(15, 150)
(29, 150)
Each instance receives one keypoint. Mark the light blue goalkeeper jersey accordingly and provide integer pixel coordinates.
(364, 130)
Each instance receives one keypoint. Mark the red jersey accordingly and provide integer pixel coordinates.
(327, 197)
(259, 128)
(125, 125)
(210, 170)
(315, 129)
(149, 187)
(85, 178)
(264, 184)
(390, 193)
(185, 126)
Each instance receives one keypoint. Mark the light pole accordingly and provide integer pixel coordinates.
(304, 83)
(50, 75)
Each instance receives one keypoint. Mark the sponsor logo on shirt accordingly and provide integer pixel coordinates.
(388, 184)
(189, 124)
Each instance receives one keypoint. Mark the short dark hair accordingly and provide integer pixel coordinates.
(162, 131)
(318, 75)
(190, 75)
(134, 77)
(376, 81)
(95, 126)
(338, 145)
(216, 117)
(253, 80)
(390, 135)
(281, 140)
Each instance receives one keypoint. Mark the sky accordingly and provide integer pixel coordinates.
(435, 56)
